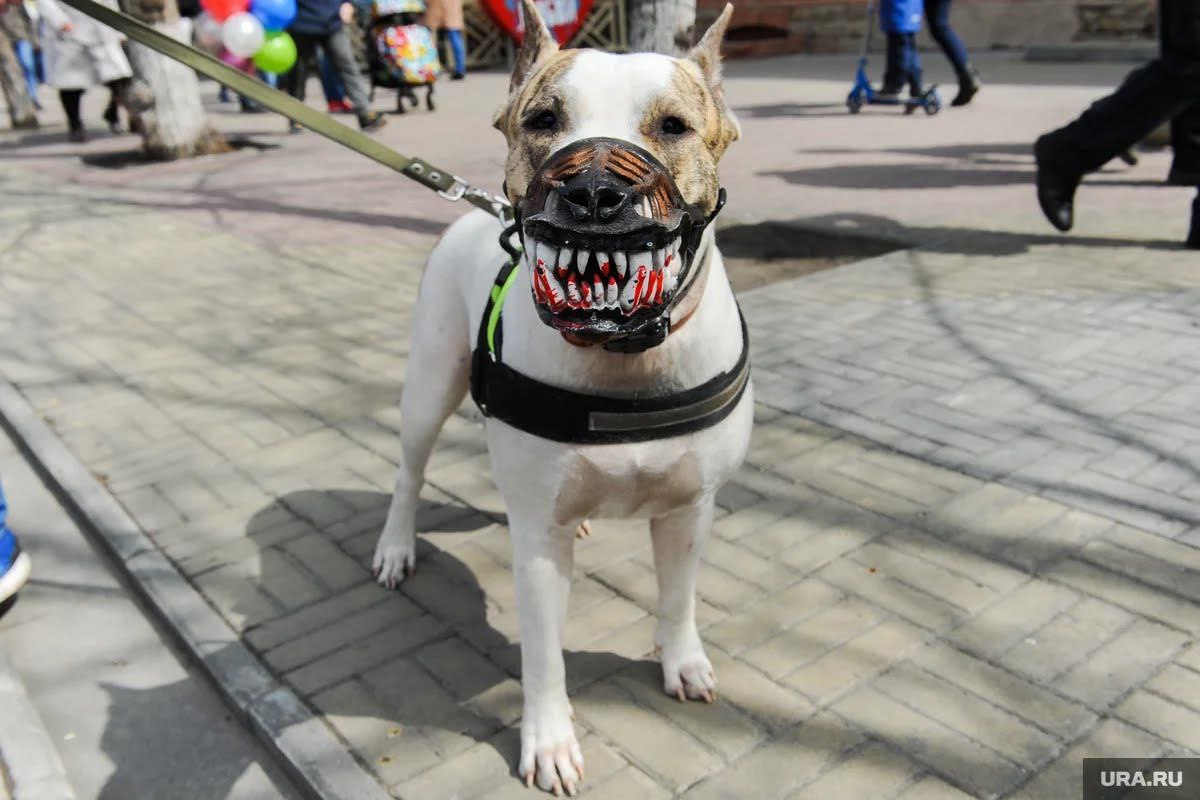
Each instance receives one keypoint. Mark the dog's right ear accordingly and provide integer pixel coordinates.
(537, 45)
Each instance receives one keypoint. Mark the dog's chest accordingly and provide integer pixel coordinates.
(649, 479)
(605, 485)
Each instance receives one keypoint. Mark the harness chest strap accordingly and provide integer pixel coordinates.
(563, 415)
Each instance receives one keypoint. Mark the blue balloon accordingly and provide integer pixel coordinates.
(275, 15)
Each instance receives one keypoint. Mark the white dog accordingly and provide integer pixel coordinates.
(612, 164)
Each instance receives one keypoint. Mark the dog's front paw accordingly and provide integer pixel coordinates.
(395, 557)
(550, 753)
(687, 672)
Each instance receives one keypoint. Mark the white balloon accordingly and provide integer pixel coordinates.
(242, 34)
(207, 33)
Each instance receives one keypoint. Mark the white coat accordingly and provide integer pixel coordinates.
(89, 54)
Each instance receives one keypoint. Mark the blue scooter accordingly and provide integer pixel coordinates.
(863, 93)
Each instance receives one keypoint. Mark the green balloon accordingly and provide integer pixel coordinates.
(277, 54)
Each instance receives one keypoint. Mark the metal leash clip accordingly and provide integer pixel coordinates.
(494, 204)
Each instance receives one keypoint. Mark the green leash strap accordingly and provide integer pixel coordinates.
(445, 183)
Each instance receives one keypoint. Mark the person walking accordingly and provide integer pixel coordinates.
(901, 20)
(322, 23)
(937, 16)
(445, 17)
(80, 53)
(1167, 88)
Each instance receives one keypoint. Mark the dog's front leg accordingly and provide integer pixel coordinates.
(543, 558)
(677, 538)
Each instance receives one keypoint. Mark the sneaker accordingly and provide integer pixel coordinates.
(372, 121)
(294, 127)
(14, 564)
(339, 107)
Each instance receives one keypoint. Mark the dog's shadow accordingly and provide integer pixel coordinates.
(413, 677)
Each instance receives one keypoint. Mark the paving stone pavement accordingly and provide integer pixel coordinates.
(963, 553)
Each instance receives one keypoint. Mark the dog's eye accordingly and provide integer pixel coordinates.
(542, 121)
(673, 126)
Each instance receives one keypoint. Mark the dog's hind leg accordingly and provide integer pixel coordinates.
(677, 538)
(435, 382)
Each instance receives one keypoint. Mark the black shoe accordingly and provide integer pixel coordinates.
(968, 86)
(372, 121)
(113, 120)
(458, 76)
(77, 135)
(1055, 189)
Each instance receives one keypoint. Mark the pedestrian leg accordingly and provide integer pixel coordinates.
(70, 99)
(337, 46)
(116, 98)
(893, 73)
(937, 16)
(28, 62)
(459, 48)
(297, 77)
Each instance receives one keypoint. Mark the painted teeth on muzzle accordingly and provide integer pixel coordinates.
(590, 280)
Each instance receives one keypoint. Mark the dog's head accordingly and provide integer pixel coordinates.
(612, 165)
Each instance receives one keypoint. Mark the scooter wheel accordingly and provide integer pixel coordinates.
(854, 104)
(932, 106)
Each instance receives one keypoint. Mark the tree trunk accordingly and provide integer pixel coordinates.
(661, 26)
(167, 98)
(12, 84)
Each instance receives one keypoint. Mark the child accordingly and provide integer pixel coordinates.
(900, 20)
(14, 564)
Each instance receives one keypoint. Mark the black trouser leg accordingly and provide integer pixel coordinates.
(116, 98)
(70, 102)
(1149, 97)
(306, 47)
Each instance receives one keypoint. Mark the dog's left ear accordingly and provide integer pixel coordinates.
(707, 55)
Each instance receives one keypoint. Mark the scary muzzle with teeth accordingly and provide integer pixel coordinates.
(608, 239)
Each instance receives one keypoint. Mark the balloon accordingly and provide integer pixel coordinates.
(222, 10)
(207, 32)
(242, 34)
(235, 61)
(275, 15)
(277, 54)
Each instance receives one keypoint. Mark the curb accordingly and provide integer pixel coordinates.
(319, 764)
(27, 753)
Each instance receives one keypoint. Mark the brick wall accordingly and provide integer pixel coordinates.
(768, 27)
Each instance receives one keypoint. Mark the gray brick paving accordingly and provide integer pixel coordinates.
(961, 555)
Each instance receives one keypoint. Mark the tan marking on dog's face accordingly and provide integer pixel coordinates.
(528, 147)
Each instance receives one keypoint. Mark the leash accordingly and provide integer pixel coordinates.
(448, 185)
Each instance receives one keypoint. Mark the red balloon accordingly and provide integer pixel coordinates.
(221, 10)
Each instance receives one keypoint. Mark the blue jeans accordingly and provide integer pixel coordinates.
(28, 63)
(937, 15)
(903, 64)
(331, 82)
(457, 47)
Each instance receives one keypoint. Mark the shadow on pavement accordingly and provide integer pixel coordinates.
(963, 240)
(411, 707)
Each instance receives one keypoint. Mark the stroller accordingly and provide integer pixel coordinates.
(863, 93)
(401, 53)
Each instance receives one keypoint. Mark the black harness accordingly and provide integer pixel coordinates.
(563, 415)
